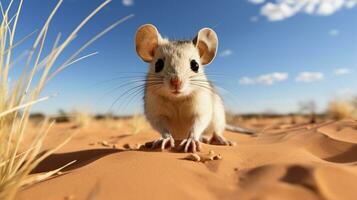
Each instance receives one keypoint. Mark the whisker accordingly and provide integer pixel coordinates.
(134, 100)
(211, 90)
(140, 81)
(134, 94)
(130, 96)
(208, 83)
(122, 95)
(202, 84)
(200, 80)
(211, 76)
(113, 79)
(130, 83)
(132, 90)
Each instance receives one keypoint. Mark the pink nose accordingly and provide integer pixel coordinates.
(175, 82)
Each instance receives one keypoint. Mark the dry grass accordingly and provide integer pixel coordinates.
(81, 119)
(18, 96)
(137, 123)
(112, 123)
(342, 109)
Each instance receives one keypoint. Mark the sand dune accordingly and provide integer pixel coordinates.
(283, 162)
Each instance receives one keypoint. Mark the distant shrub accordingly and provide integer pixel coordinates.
(341, 109)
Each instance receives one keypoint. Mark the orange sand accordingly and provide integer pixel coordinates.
(282, 162)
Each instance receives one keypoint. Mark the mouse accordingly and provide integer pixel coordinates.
(180, 102)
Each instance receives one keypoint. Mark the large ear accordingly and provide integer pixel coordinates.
(206, 42)
(146, 41)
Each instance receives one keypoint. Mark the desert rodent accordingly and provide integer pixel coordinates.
(180, 102)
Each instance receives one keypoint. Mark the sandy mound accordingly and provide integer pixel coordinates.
(284, 162)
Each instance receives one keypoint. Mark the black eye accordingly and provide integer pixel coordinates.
(159, 65)
(194, 66)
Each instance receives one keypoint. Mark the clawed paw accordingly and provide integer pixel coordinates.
(220, 140)
(190, 145)
(163, 143)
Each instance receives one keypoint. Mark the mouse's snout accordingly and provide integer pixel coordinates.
(176, 83)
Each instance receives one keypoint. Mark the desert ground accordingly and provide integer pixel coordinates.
(283, 161)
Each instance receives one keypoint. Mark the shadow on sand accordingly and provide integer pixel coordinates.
(82, 158)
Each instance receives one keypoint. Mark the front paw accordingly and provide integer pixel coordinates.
(163, 143)
(190, 145)
(220, 140)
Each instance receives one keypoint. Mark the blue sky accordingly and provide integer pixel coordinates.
(272, 54)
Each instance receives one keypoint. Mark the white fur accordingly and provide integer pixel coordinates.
(187, 110)
(196, 109)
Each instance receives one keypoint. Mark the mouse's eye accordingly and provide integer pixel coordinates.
(159, 65)
(194, 66)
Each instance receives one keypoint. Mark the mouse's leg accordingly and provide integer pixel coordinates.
(218, 125)
(217, 137)
(166, 140)
(192, 143)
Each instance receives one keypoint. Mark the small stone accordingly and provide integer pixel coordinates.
(211, 156)
(217, 157)
(138, 146)
(235, 144)
(105, 143)
(91, 144)
(59, 173)
(132, 146)
(126, 146)
(114, 146)
(193, 157)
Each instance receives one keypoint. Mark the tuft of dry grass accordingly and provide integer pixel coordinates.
(341, 109)
(17, 97)
(137, 123)
(81, 119)
(112, 123)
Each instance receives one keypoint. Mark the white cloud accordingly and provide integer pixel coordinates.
(246, 81)
(309, 77)
(269, 79)
(278, 11)
(342, 71)
(127, 2)
(351, 4)
(265, 79)
(256, 1)
(226, 52)
(334, 32)
(282, 9)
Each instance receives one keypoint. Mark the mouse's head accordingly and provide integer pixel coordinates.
(176, 67)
